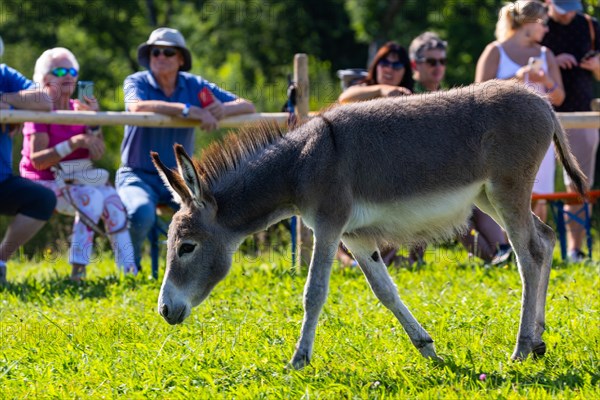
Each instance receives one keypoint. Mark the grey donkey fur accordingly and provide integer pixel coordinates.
(395, 169)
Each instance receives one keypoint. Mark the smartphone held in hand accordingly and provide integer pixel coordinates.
(590, 54)
(206, 97)
(85, 88)
(535, 64)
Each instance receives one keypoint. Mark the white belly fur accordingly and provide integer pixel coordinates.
(429, 217)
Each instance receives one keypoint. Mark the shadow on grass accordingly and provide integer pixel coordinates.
(575, 376)
(59, 287)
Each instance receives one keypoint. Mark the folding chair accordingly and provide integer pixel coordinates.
(557, 201)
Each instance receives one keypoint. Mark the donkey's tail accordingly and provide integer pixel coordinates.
(567, 159)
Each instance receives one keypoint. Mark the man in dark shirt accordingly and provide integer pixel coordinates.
(427, 54)
(573, 37)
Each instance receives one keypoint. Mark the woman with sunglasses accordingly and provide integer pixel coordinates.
(517, 54)
(46, 145)
(390, 74)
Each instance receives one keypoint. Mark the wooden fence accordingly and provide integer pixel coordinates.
(568, 120)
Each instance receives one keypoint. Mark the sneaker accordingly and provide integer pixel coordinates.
(78, 273)
(502, 254)
(131, 269)
(577, 256)
(345, 258)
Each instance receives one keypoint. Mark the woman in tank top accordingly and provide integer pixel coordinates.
(517, 54)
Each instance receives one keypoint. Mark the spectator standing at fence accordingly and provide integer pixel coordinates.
(517, 54)
(572, 35)
(165, 88)
(389, 74)
(87, 196)
(428, 59)
(29, 203)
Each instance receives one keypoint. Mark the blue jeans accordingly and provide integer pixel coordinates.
(141, 191)
(24, 196)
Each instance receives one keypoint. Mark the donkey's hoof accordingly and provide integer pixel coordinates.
(536, 351)
(299, 361)
(519, 355)
(539, 350)
(437, 359)
(428, 351)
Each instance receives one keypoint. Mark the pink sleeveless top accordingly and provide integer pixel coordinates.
(56, 134)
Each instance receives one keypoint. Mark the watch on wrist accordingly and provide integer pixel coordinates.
(186, 110)
(95, 130)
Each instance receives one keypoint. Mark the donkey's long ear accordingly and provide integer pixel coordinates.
(189, 173)
(172, 180)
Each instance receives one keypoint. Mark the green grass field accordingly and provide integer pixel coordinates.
(104, 339)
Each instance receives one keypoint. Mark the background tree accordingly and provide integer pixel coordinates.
(246, 46)
(467, 26)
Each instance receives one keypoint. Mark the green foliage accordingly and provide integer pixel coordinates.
(245, 46)
(104, 339)
(259, 37)
(467, 26)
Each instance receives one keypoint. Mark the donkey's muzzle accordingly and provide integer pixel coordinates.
(173, 314)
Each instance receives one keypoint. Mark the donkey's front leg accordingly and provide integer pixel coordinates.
(315, 294)
(367, 254)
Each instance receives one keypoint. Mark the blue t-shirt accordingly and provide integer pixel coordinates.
(10, 81)
(139, 141)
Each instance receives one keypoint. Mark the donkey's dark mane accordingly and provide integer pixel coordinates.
(226, 155)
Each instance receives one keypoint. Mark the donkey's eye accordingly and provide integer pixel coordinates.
(185, 248)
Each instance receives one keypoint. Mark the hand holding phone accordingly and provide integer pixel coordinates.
(589, 55)
(535, 64)
(85, 88)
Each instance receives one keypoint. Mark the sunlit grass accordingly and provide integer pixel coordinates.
(104, 339)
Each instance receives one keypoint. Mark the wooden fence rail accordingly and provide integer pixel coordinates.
(568, 120)
(590, 119)
(128, 118)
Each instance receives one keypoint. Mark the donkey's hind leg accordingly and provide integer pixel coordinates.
(533, 243)
(366, 252)
(545, 232)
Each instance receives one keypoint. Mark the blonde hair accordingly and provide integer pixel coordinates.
(514, 15)
(43, 65)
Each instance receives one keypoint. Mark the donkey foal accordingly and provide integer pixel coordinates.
(397, 170)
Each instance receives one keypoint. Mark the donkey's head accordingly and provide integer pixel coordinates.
(198, 249)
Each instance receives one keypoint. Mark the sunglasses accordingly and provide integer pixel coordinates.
(543, 21)
(62, 71)
(166, 51)
(432, 62)
(396, 65)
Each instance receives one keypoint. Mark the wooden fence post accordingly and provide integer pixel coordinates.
(301, 80)
(303, 234)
